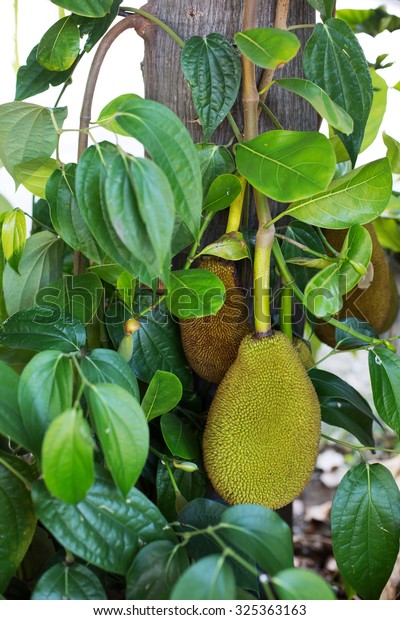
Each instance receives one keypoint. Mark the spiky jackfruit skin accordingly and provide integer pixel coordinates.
(261, 439)
(377, 304)
(211, 343)
(303, 352)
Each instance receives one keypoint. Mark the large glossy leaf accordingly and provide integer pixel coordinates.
(65, 582)
(294, 584)
(223, 191)
(157, 344)
(384, 368)
(322, 295)
(65, 215)
(287, 165)
(213, 69)
(214, 161)
(35, 173)
(336, 116)
(17, 517)
(268, 47)
(107, 366)
(140, 205)
(27, 132)
(365, 521)
(67, 457)
(194, 292)
(78, 296)
(41, 263)
(259, 533)
(210, 579)
(162, 395)
(334, 59)
(355, 198)
(88, 8)
(104, 529)
(179, 437)
(11, 422)
(32, 78)
(155, 570)
(122, 429)
(44, 392)
(59, 46)
(42, 328)
(343, 406)
(13, 237)
(168, 142)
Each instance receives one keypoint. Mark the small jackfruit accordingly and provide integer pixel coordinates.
(211, 343)
(261, 439)
(377, 304)
(304, 353)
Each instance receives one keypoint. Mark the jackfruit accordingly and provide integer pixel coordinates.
(304, 353)
(377, 304)
(211, 343)
(262, 434)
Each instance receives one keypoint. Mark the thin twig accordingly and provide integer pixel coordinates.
(281, 14)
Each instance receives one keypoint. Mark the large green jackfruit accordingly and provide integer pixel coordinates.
(377, 304)
(261, 439)
(211, 342)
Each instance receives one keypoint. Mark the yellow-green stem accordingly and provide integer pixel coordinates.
(236, 208)
(286, 312)
(262, 264)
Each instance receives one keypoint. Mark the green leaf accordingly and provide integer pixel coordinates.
(214, 161)
(67, 457)
(42, 328)
(370, 21)
(393, 152)
(27, 132)
(44, 392)
(140, 205)
(301, 584)
(41, 263)
(65, 582)
(362, 327)
(162, 395)
(66, 216)
(259, 533)
(13, 237)
(179, 437)
(357, 252)
(210, 579)
(307, 236)
(194, 292)
(325, 7)
(17, 517)
(230, 247)
(222, 193)
(104, 529)
(107, 366)
(388, 233)
(287, 165)
(33, 79)
(335, 61)
(157, 344)
(59, 46)
(336, 116)
(378, 109)
(191, 485)
(109, 272)
(11, 422)
(268, 47)
(355, 198)
(213, 69)
(384, 369)
(122, 430)
(77, 296)
(168, 142)
(365, 521)
(35, 173)
(155, 570)
(91, 176)
(88, 8)
(95, 28)
(125, 286)
(322, 295)
(343, 406)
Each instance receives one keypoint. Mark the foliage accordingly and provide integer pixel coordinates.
(101, 427)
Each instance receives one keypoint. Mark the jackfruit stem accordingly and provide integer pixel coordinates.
(286, 312)
(236, 208)
(289, 281)
(262, 277)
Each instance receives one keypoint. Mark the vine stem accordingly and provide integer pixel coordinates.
(281, 15)
(359, 448)
(286, 312)
(155, 20)
(289, 281)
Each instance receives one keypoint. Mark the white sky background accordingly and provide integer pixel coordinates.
(121, 74)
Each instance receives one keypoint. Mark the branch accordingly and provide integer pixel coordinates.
(281, 14)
